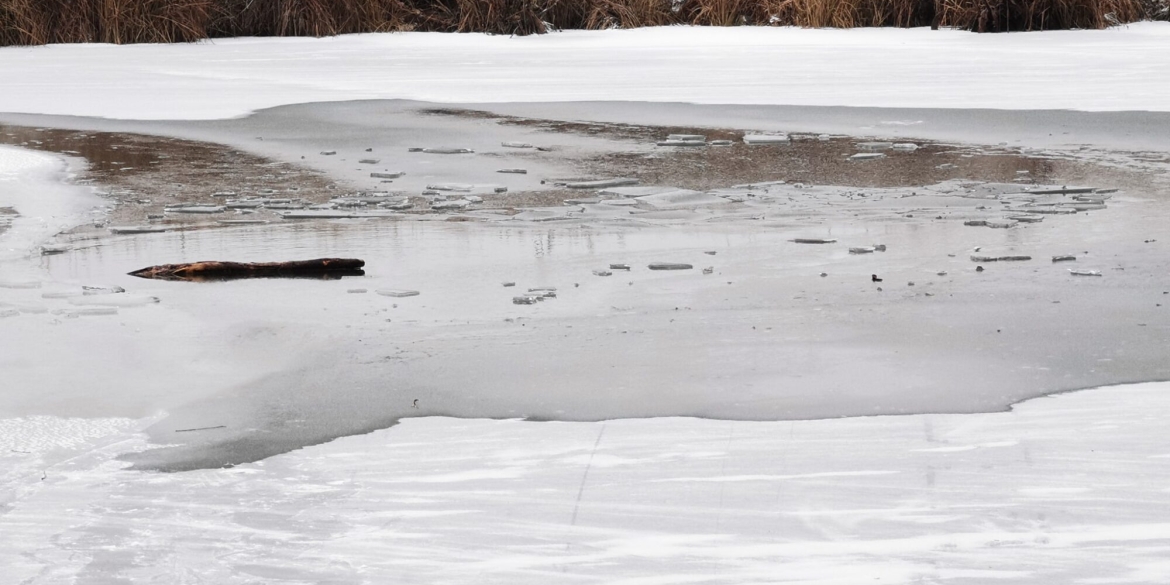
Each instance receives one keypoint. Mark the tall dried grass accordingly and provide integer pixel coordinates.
(33, 22)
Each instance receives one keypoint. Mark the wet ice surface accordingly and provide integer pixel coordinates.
(282, 364)
(1047, 493)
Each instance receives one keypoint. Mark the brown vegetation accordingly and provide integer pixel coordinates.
(35, 22)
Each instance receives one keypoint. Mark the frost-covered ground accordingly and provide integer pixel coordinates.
(1125, 68)
(1063, 489)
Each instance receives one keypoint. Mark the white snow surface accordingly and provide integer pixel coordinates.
(1124, 68)
(1064, 489)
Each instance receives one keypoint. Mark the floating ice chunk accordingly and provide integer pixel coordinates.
(445, 205)
(513, 171)
(983, 258)
(473, 199)
(619, 267)
(224, 194)
(875, 145)
(525, 300)
(687, 137)
(1062, 190)
(443, 150)
(709, 270)
(619, 202)
(905, 146)
(680, 198)
(369, 161)
(867, 156)
(1026, 218)
(461, 187)
(1084, 272)
(397, 293)
(328, 152)
(670, 266)
(387, 175)
(765, 139)
(516, 145)
(863, 250)
(602, 273)
(814, 241)
(681, 143)
(137, 229)
(720, 143)
(335, 214)
(508, 284)
(1064, 258)
(601, 183)
(197, 209)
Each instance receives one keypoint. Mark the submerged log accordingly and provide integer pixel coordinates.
(328, 268)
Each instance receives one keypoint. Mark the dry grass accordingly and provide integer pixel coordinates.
(34, 22)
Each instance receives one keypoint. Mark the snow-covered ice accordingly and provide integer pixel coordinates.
(1069, 488)
(1120, 69)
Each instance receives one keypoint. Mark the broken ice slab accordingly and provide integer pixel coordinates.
(443, 150)
(602, 273)
(513, 171)
(720, 143)
(137, 229)
(1084, 272)
(982, 258)
(765, 139)
(641, 191)
(680, 198)
(670, 266)
(867, 156)
(601, 183)
(284, 206)
(473, 199)
(456, 204)
(100, 289)
(681, 143)
(862, 250)
(687, 137)
(814, 241)
(387, 175)
(582, 201)
(515, 145)
(619, 202)
(224, 194)
(1085, 206)
(397, 293)
(1060, 190)
(51, 249)
(335, 214)
(369, 161)
(905, 146)
(201, 209)
(461, 187)
(875, 145)
(1064, 258)
(1026, 218)
(328, 152)
(619, 266)
(525, 300)
(543, 289)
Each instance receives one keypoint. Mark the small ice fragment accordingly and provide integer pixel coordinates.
(513, 171)
(814, 241)
(1084, 272)
(601, 183)
(670, 266)
(391, 175)
(1064, 258)
(50, 249)
(687, 137)
(137, 229)
(905, 146)
(709, 270)
(524, 300)
(875, 145)
(602, 273)
(862, 250)
(765, 139)
(462, 187)
(328, 152)
(508, 284)
(457, 204)
(681, 143)
(368, 161)
(720, 143)
(397, 293)
(710, 252)
(515, 145)
(500, 190)
(867, 156)
(444, 150)
(473, 199)
(619, 266)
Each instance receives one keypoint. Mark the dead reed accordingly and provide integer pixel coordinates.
(35, 22)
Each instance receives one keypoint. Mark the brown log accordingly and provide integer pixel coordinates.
(203, 271)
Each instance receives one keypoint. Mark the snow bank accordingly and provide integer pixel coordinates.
(1063, 489)
(1125, 68)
